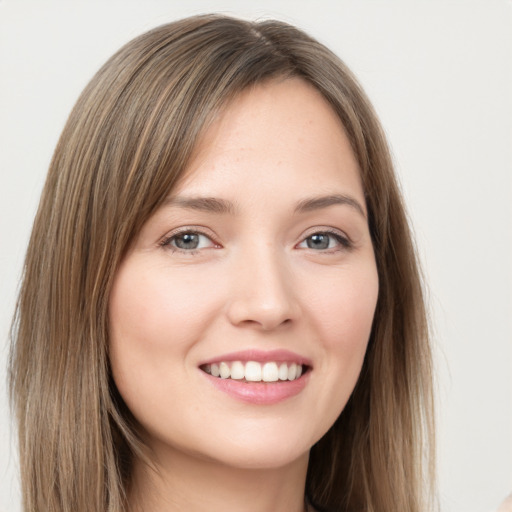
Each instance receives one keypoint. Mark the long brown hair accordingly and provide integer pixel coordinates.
(126, 143)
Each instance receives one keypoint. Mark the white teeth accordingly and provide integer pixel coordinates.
(270, 372)
(283, 372)
(292, 371)
(237, 370)
(224, 370)
(252, 371)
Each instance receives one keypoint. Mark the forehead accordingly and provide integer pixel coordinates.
(279, 134)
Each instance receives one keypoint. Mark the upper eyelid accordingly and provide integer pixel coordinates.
(325, 229)
(203, 230)
(173, 242)
(199, 230)
(343, 241)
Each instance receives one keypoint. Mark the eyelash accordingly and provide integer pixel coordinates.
(342, 240)
(166, 243)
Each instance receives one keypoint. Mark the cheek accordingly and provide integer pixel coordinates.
(344, 308)
(343, 316)
(154, 321)
(151, 310)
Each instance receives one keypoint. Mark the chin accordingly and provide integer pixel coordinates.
(258, 458)
(260, 446)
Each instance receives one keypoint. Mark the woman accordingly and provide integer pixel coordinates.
(221, 306)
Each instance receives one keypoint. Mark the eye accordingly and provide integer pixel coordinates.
(188, 241)
(324, 240)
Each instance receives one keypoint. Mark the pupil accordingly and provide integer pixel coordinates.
(187, 241)
(319, 241)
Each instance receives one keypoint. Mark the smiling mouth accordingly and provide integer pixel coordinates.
(253, 371)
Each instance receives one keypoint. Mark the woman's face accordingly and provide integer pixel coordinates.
(259, 266)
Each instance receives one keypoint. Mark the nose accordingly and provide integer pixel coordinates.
(262, 291)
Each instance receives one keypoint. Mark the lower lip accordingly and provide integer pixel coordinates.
(260, 393)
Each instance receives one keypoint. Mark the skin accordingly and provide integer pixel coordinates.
(253, 282)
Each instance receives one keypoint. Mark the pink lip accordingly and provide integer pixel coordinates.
(260, 393)
(279, 356)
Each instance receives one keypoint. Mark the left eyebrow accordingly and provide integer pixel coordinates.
(317, 203)
(205, 204)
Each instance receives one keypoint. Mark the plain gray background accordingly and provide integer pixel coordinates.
(440, 76)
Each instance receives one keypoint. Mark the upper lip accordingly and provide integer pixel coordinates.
(263, 356)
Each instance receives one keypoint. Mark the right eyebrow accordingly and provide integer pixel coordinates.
(204, 204)
(318, 203)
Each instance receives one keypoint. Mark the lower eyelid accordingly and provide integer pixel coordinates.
(343, 241)
(167, 242)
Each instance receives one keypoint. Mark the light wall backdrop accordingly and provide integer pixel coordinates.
(440, 76)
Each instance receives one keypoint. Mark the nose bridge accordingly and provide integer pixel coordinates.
(263, 291)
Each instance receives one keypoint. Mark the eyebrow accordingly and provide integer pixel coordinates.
(204, 204)
(318, 203)
(222, 206)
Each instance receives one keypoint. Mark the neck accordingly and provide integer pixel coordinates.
(186, 483)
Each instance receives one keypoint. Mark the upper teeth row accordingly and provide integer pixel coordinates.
(255, 372)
